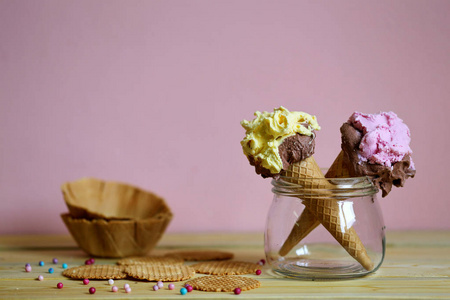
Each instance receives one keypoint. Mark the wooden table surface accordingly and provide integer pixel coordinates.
(416, 266)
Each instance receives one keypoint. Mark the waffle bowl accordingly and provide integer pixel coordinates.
(117, 238)
(92, 198)
(111, 219)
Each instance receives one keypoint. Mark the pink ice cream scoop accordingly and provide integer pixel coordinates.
(378, 145)
(385, 138)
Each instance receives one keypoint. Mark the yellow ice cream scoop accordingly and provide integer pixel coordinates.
(267, 131)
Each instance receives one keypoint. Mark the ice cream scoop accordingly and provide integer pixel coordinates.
(377, 145)
(275, 140)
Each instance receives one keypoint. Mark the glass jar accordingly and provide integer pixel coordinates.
(324, 228)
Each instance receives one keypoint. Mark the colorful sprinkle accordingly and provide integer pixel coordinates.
(28, 268)
(183, 291)
(92, 260)
(51, 270)
(155, 287)
(128, 290)
(189, 288)
(85, 281)
(126, 286)
(27, 265)
(186, 285)
(110, 281)
(258, 272)
(65, 266)
(171, 286)
(59, 285)
(55, 261)
(160, 284)
(41, 263)
(92, 290)
(263, 261)
(87, 262)
(237, 291)
(40, 277)
(114, 289)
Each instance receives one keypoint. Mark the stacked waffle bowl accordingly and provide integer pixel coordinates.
(111, 219)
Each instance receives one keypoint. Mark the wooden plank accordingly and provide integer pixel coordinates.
(417, 265)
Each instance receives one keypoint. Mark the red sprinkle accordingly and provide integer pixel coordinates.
(92, 290)
(92, 260)
(258, 272)
(88, 262)
(237, 291)
(85, 281)
(263, 261)
(189, 288)
(59, 285)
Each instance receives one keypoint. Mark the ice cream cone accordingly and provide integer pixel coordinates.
(307, 174)
(307, 221)
(338, 169)
(325, 210)
(303, 226)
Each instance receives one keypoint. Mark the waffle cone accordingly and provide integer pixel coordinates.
(328, 212)
(307, 174)
(324, 210)
(307, 221)
(338, 168)
(303, 226)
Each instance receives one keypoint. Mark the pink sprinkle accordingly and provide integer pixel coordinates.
(160, 284)
(92, 260)
(171, 286)
(85, 281)
(92, 290)
(126, 286)
(88, 262)
(258, 272)
(59, 285)
(155, 287)
(114, 289)
(28, 268)
(237, 291)
(40, 277)
(128, 290)
(189, 288)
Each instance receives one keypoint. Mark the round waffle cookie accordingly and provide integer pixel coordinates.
(155, 272)
(226, 283)
(96, 272)
(165, 260)
(201, 255)
(225, 267)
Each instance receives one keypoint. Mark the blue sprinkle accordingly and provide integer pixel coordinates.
(51, 270)
(41, 263)
(64, 266)
(183, 291)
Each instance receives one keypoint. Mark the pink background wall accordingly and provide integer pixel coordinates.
(152, 93)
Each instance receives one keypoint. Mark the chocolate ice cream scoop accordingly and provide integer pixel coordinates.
(293, 149)
(393, 168)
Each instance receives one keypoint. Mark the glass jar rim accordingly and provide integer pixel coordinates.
(320, 187)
